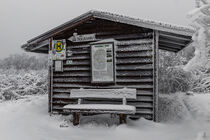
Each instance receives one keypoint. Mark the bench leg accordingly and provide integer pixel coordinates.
(122, 118)
(75, 118)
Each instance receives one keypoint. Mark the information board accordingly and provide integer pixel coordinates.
(102, 61)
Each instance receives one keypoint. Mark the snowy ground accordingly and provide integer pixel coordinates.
(27, 119)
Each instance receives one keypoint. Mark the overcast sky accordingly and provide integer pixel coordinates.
(21, 20)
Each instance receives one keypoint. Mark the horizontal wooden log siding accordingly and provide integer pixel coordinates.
(134, 69)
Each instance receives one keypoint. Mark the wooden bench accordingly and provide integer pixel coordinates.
(111, 94)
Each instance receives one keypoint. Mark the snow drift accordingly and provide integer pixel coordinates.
(27, 119)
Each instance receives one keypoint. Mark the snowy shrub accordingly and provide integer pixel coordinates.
(201, 83)
(17, 83)
(174, 80)
(172, 77)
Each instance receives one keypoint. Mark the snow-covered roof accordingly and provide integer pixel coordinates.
(150, 24)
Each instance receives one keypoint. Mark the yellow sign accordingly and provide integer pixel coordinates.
(59, 46)
(59, 49)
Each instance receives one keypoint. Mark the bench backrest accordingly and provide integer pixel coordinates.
(104, 93)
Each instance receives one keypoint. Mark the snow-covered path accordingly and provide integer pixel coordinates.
(27, 119)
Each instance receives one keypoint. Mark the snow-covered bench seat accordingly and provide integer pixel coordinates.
(121, 109)
(102, 108)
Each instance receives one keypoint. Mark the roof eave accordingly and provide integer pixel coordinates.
(111, 17)
(61, 27)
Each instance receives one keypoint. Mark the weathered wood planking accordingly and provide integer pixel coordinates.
(103, 93)
(120, 73)
(121, 55)
(134, 69)
(140, 92)
(88, 85)
(87, 80)
(118, 68)
(76, 68)
(118, 62)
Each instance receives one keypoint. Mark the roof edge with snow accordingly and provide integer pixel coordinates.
(159, 26)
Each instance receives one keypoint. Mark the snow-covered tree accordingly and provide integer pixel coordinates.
(200, 18)
(199, 65)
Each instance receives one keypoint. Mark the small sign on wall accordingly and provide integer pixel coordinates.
(102, 62)
(58, 66)
(82, 38)
(59, 49)
(68, 62)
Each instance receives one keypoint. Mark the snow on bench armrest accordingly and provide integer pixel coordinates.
(103, 93)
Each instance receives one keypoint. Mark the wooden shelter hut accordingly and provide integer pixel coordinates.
(101, 51)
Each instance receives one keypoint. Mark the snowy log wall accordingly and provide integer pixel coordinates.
(134, 66)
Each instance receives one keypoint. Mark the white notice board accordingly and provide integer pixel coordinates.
(59, 66)
(102, 63)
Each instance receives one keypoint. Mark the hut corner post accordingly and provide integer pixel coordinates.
(50, 72)
(155, 74)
